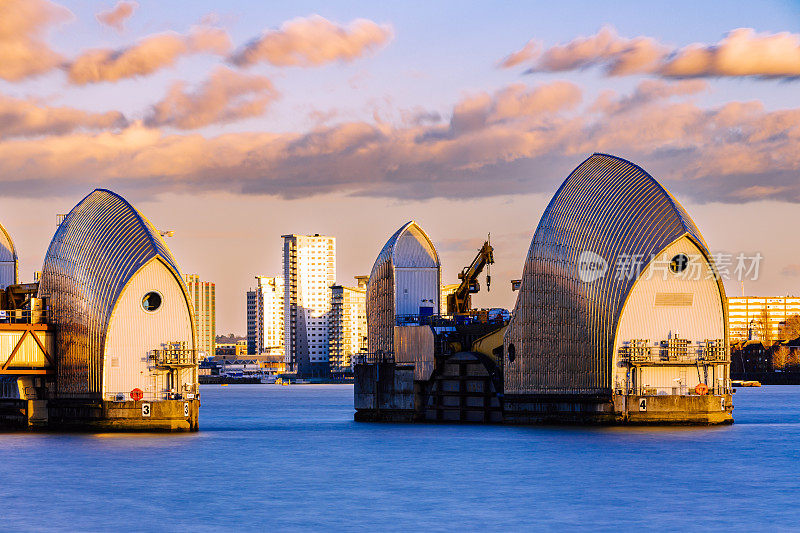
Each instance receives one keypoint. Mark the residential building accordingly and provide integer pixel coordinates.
(760, 318)
(309, 270)
(204, 300)
(446, 291)
(265, 316)
(347, 327)
(236, 349)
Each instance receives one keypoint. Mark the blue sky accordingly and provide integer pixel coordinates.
(229, 188)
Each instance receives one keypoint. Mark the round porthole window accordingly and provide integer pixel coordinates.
(151, 301)
(512, 353)
(679, 263)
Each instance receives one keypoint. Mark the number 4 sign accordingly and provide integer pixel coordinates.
(643, 404)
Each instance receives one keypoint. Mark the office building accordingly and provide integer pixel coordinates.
(760, 318)
(265, 329)
(309, 270)
(347, 327)
(202, 294)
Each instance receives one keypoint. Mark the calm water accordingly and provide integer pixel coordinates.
(276, 458)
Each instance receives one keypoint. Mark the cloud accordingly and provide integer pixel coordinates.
(116, 17)
(531, 50)
(147, 56)
(226, 96)
(742, 52)
(25, 118)
(519, 139)
(23, 25)
(617, 55)
(647, 92)
(313, 41)
(791, 270)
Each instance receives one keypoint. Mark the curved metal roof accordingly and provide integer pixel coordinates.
(408, 247)
(96, 249)
(403, 252)
(8, 259)
(613, 208)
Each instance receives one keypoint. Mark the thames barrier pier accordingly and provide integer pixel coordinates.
(105, 340)
(620, 319)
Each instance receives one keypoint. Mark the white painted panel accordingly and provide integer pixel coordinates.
(643, 319)
(412, 249)
(134, 332)
(415, 288)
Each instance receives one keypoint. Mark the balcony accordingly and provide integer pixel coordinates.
(673, 352)
(173, 358)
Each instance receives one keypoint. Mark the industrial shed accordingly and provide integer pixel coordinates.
(620, 314)
(404, 282)
(126, 338)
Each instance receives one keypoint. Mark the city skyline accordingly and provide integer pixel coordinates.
(229, 144)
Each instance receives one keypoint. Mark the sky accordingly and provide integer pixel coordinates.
(233, 123)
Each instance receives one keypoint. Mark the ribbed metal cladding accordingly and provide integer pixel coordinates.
(381, 287)
(563, 328)
(8, 259)
(100, 244)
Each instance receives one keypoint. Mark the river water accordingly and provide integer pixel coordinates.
(281, 458)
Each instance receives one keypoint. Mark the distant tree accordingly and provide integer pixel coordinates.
(780, 357)
(793, 359)
(790, 330)
(764, 328)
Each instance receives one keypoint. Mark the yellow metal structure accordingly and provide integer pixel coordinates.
(460, 301)
(25, 349)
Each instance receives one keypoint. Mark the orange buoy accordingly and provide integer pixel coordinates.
(701, 389)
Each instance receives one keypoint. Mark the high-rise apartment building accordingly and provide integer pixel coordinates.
(309, 269)
(347, 327)
(265, 316)
(761, 318)
(204, 300)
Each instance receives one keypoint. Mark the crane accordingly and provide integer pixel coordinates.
(459, 302)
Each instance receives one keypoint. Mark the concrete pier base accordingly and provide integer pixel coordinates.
(162, 415)
(387, 392)
(96, 415)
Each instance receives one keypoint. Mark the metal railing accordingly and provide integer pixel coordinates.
(174, 357)
(367, 358)
(23, 316)
(149, 396)
(712, 351)
(682, 390)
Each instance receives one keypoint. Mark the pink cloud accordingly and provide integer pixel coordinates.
(226, 96)
(531, 50)
(23, 25)
(25, 118)
(116, 17)
(147, 56)
(742, 52)
(519, 139)
(791, 270)
(313, 41)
